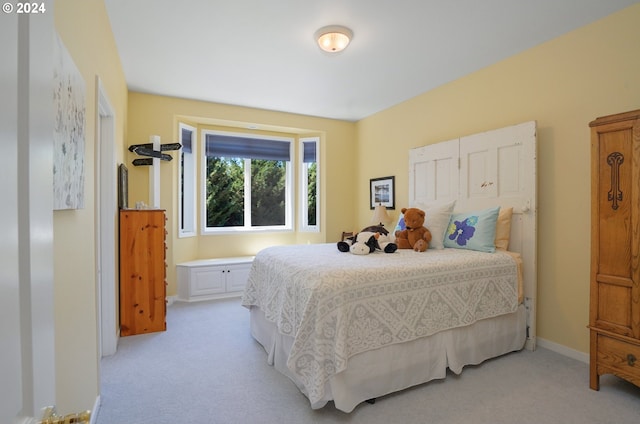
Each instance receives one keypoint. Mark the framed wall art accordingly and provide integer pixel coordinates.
(69, 133)
(382, 192)
(123, 186)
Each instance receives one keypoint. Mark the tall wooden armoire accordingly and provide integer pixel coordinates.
(142, 271)
(614, 313)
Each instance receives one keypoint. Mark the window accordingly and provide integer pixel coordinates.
(187, 181)
(309, 184)
(247, 182)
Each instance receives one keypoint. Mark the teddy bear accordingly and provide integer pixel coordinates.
(414, 235)
(368, 240)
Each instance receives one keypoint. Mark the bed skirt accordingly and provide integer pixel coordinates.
(396, 367)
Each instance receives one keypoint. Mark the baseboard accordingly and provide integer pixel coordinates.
(171, 300)
(94, 411)
(563, 350)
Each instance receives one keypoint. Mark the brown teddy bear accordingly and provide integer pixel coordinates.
(415, 235)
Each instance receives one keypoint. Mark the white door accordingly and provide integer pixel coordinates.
(494, 168)
(433, 173)
(499, 168)
(496, 165)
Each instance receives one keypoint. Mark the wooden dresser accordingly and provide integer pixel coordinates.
(614, 313)
(142, 271)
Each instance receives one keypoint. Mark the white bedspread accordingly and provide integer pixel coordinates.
(336, 305)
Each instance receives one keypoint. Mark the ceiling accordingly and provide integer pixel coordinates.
(261, 53)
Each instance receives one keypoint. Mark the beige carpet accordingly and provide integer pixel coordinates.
(206, 368)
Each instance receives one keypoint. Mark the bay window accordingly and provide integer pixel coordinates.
(247, 182)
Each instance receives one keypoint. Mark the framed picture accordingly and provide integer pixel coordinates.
(123, 186)
(382, 191)
(69, 102)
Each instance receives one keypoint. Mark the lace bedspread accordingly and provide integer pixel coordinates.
(335, 305)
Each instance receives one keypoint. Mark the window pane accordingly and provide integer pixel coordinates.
(268, 179)
(185, 157)
(187, 182)
(311, 193)
(225, 192)
(248, 182)
(182, 224)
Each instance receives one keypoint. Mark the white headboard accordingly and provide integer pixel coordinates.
(494, 168)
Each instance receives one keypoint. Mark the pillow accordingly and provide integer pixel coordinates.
(401, 224)
(503, 228)
(473, 230)
(436, 220)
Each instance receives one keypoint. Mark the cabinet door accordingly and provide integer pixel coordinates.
(237, 276)
(615, 238)
(207, 281)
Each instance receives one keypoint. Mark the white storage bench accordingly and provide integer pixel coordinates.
(207, 279)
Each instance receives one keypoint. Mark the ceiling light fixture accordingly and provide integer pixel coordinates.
(333, 38)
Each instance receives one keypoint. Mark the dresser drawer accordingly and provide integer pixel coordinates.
(619, 357)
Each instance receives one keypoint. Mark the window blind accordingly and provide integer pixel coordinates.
(186, 140)
(309, 155)
(246, 148)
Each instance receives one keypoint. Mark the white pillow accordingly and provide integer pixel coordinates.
(436, 220)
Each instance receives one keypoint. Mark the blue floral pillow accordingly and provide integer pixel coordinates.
(473, 230)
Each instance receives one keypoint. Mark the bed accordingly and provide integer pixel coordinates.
(350, 328)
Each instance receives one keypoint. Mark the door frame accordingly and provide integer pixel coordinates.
(106, 216)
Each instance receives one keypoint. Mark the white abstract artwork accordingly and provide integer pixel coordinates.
(69, 133)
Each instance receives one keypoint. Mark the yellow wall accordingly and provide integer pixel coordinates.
(85, 30)
(159, 115)
(563, 85)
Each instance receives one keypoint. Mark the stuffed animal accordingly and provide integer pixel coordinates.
(415, 235)
(386, 244)
(368, 241)
(365, 242)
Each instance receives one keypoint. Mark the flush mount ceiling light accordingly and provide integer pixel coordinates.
(333, 38)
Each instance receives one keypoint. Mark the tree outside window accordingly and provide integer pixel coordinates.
(241, 171)
(309, 183)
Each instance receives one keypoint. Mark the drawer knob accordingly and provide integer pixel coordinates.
(631, 360)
